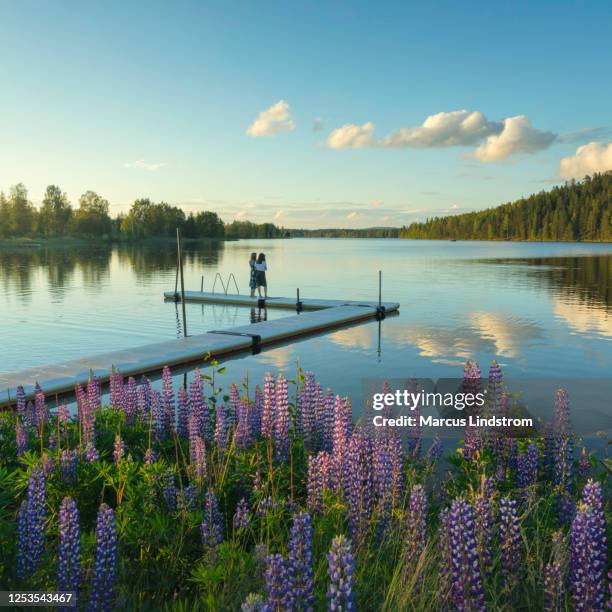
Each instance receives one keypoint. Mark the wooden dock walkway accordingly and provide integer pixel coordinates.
(325, 315)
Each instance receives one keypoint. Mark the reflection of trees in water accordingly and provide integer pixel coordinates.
(19, 267)
(587, 279)
(146, 260)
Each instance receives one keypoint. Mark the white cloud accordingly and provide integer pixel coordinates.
(376, 203)
(279, 214)
(352, 215)
(494, 141)
(589, 158)
(351, 136)
(457, 128)
(517, 136)
(142, 165)
(277, 118)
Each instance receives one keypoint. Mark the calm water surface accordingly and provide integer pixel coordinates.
(541, 310)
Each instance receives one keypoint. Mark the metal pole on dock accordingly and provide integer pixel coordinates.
(380, 288)
(202, 285)
(180, 267)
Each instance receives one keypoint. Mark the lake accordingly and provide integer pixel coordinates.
(542, 310)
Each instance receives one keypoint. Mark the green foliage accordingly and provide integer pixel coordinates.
(576, 211)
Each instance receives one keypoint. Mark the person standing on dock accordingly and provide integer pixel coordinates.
(260, 269)
(253, 278)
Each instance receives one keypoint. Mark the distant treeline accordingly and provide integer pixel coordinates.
(577, 211)
(145, 219)
(370, 232)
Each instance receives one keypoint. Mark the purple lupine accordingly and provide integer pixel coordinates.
(358, 483)
(22, 539)
(566, 507)
(47, 464)
(564, 458)
(157, 415)
(87, 416)
(587, 571)
(554, 575)
(466, 588)
(169, 408)
(118, 450)
(199, 460)
(117, 392)
(69, 551)
(211, 527)
(221, 428)
(169, 490)
(319, 479)
(562, 413)
(328, 421)
(510, 541)
(341, 570)
(593, 497)
(32, 521)
(234, 406)
(527, 466)
(131, 401)
(93, 394)
(341, 432)
(253, 603)
(416, 527)
(21, 402)
(91, 453)
(241, 515)
(21, 438)
(436, 450)
(549, 450)
(255, 414)
(63, 415)
(105, 566)
(42, 411)
(278, 588)
(307, 410)
(193, 432)
(149, 457)
(446, 558)
(299, 563)
(383, 482)
(484, 526)
(584, 467)
(68, 465)
(52, 444)
(281, 419)
(143, 400)
(242, 423)
(397, 468)
(269, 400)
(186, 499)
(199, 408)
(183, 413)
(31, 419)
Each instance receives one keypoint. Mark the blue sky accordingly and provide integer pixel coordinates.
(155, 99)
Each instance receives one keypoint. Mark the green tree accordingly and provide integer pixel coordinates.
(55, 213)
(92, 217)
(22, 214)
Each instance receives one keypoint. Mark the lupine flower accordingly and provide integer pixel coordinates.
(358, 483)
(253, 603)
(149, 457)
(168, 396)
(261, 553)
(211, 527)
(587, 571)
(341, 432)
(91, 454)
(31, 528)
(21, 402)
(562, 413)
(52, 445)
(42, 411)
(183, 413)
(554, 575)
(307, 410)
(446, 557)
(47, 464)
(328, 422)
(527, 466)
(69, 552)
(234, 406)
(221, 428)
(510, 541)
(593, 497)
(269, 400)
(484, 526)
(436, 450)
(63, 414)
(563, 462)
(199, 407)
(584, 467)
(255, 414)
(278, 587)
(265, 505)
(105, 566)
(93, 394)
(169, 490)
(341, 570)
(131, 401)
(199, 460)
(157, 415)
(68, 464)
(319, 479)
(416, 527)
(118, 450)
(549, 450)
(397, 468)
(281, 419)
(144, 399)
(21, 438)
(466, 588)
(186, 499)
(241, 516)
(242, 423)
(299, 564)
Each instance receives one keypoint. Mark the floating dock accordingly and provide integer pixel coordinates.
(324, 315)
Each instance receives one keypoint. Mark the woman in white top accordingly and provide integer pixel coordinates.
(260, 274)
